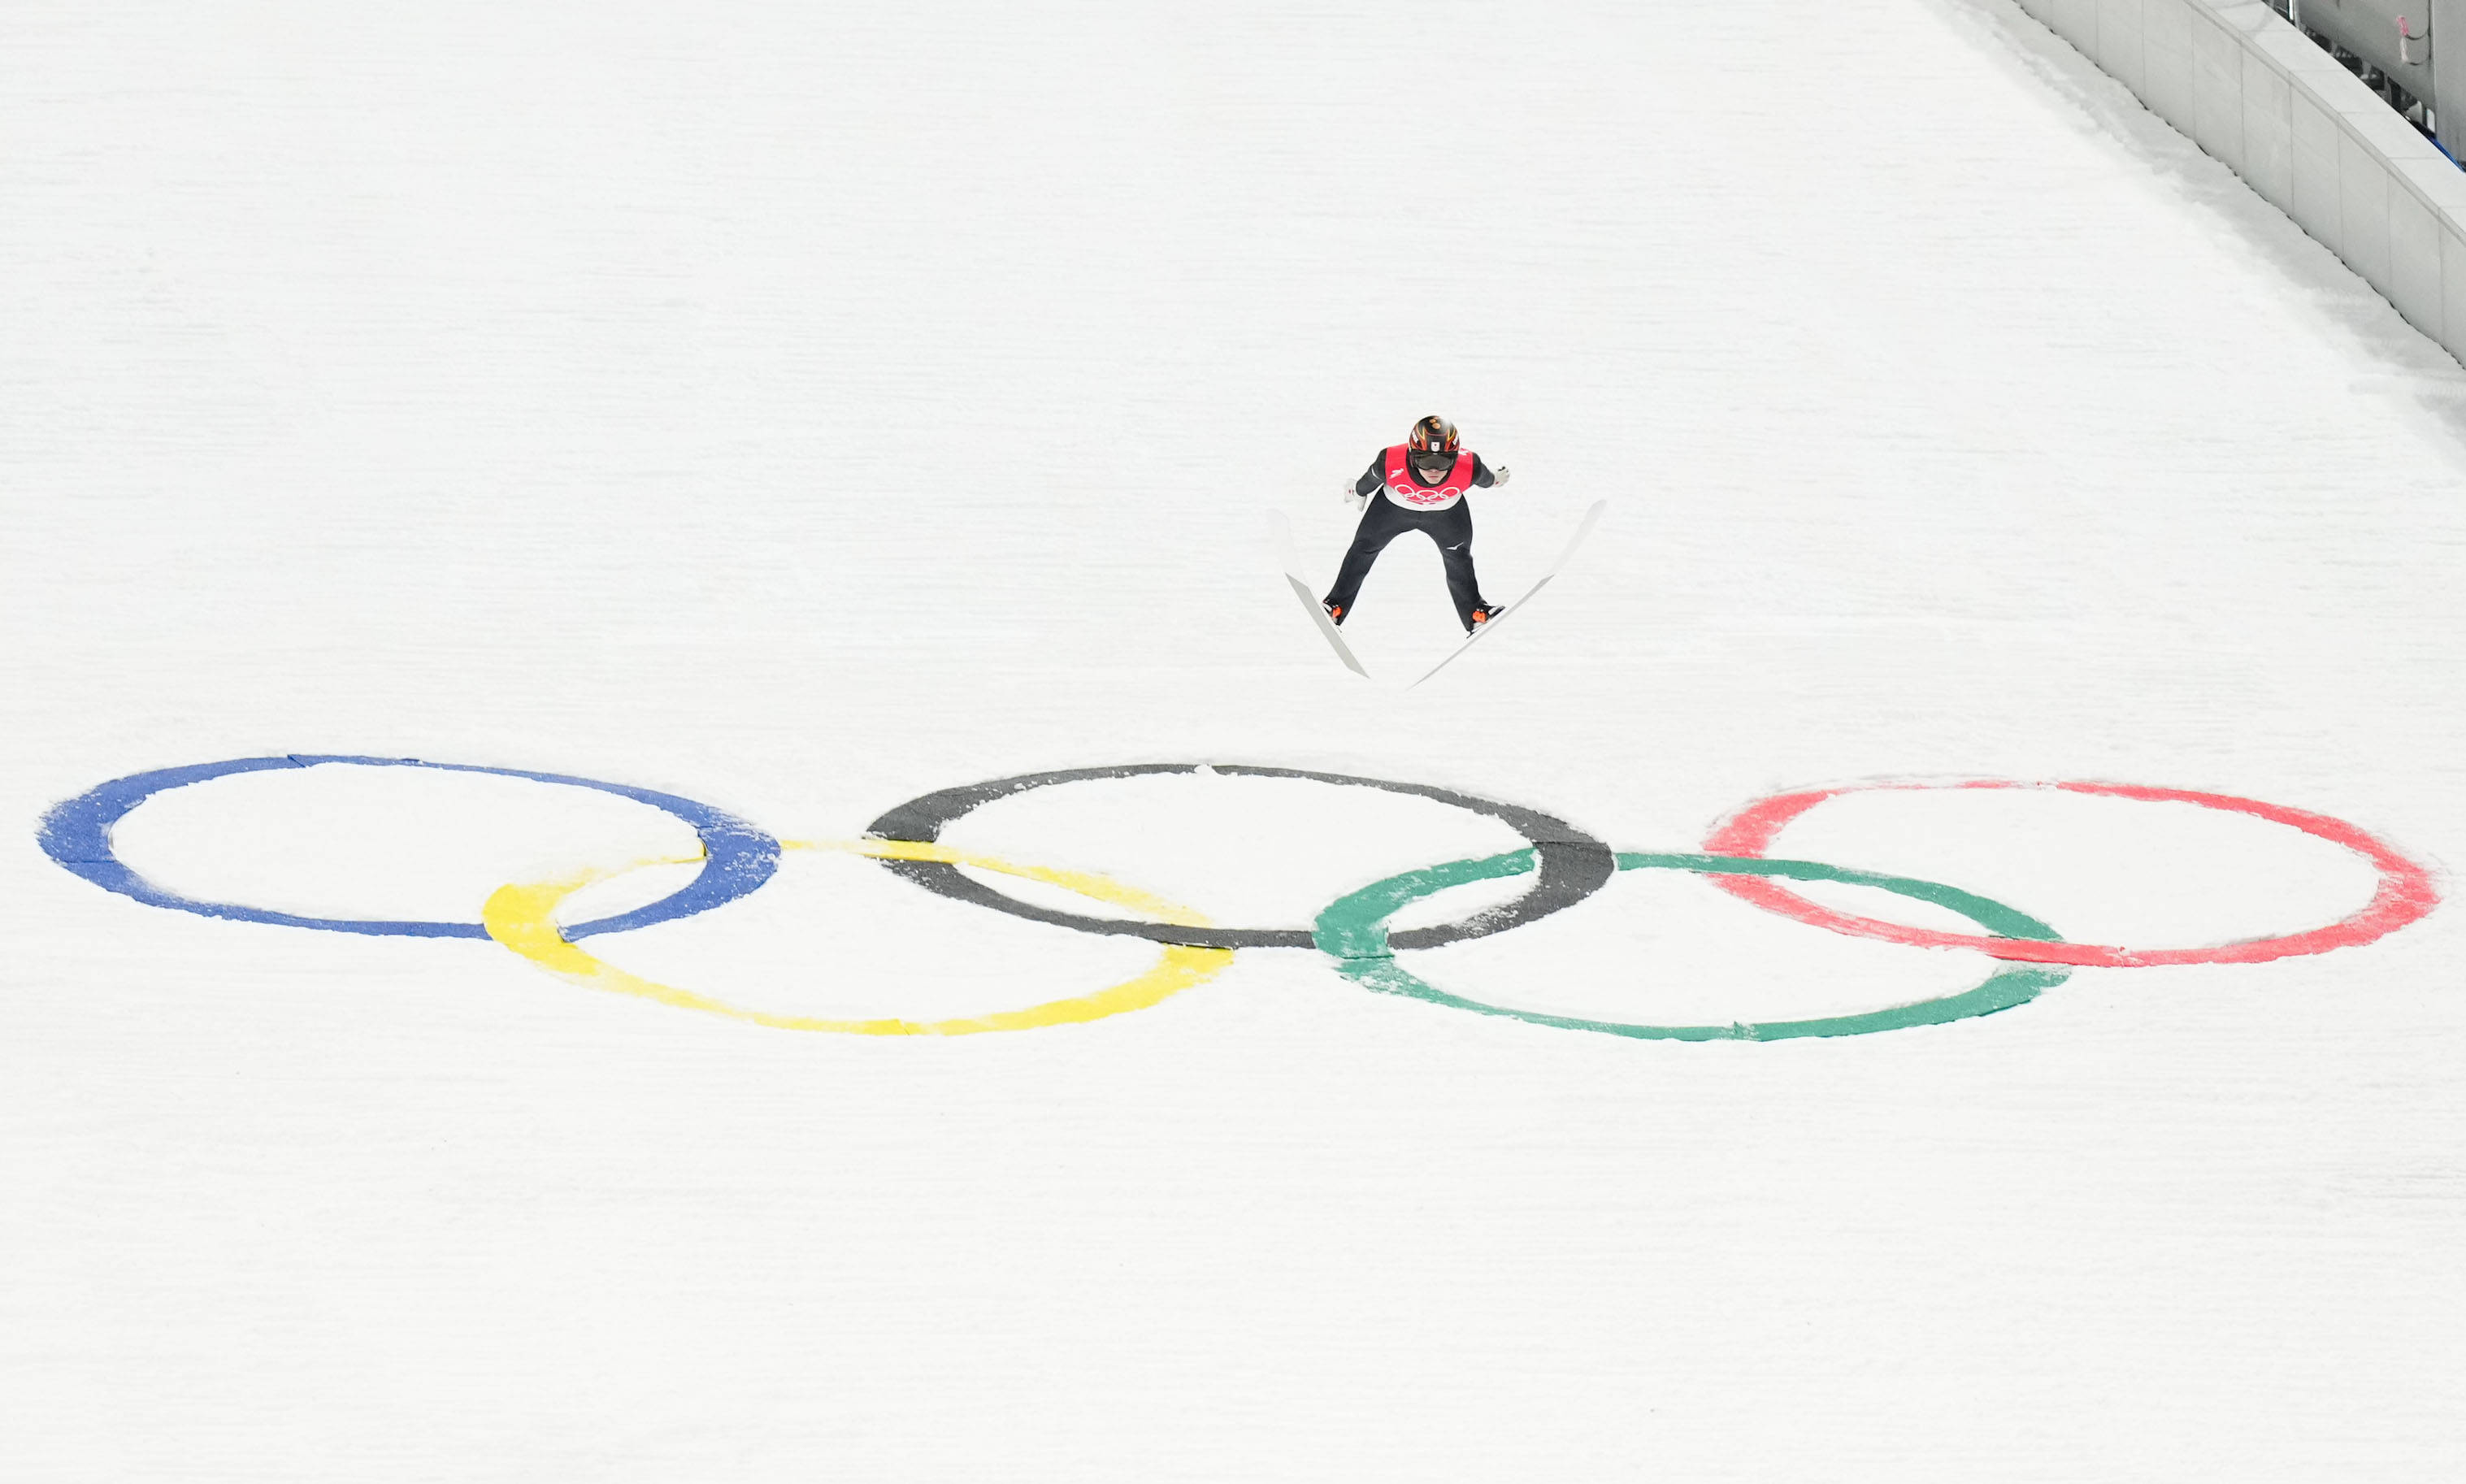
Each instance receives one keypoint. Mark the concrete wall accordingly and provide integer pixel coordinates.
(2304, 131)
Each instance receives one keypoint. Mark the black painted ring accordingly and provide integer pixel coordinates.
(1573, 865)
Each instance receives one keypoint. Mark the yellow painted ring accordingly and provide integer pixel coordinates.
(522, 918)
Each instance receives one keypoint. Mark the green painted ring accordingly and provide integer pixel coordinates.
(1353, 931)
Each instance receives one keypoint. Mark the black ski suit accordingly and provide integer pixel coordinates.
(1385, 520)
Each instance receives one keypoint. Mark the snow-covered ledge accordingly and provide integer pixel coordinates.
(2304, 131)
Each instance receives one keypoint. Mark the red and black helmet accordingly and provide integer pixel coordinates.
(1433, 435)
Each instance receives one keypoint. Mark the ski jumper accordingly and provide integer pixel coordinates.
(1405, 502)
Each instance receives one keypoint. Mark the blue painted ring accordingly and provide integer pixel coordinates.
(737, 857)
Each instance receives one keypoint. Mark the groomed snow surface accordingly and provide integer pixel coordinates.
(799, 410)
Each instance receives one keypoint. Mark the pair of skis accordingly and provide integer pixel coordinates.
(1289, 555)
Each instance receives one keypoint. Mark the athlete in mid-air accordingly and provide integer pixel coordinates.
(1419, 486)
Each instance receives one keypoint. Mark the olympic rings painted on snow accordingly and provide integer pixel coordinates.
(522, 917)
(1574, 865)
(2406, 891)
(737, 858)
(1568, 867)
(1353, 931)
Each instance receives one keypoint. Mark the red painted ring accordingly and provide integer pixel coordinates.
(2406, 891)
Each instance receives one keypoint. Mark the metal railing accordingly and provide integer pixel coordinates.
(2388, 45)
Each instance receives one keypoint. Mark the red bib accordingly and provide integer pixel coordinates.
(1405, 487)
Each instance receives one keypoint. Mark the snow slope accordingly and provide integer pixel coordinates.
(800, 410)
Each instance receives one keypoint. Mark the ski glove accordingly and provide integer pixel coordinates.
(1499, 475)
(1355, 498)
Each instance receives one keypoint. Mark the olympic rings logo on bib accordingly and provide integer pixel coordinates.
(1428, 495)
(736, 858)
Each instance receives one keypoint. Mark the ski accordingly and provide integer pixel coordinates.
(1289, 555)
(1591, 517)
